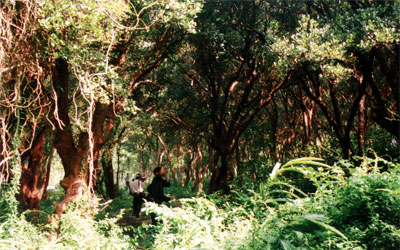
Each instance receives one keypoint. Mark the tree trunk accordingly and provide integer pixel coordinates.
(222, 175)
(213, 164)
(74, 153)
(181, 164)
(226, 173)
(188, 169)
(49, 162)
(361, 127)
(193, 168)
(199, 167)
(141, 158)
(106, 162)
(72, 157)
(34, 175)
(166, 152)
(118, 168)
(345, 145)
(180, 160)
(73, 182)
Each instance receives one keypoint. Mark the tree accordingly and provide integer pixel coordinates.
(90, 56)
(339, 68)
(123, 63)
(231, 76)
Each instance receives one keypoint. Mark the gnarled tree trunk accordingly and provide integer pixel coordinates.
(74, 155)
(35, 172)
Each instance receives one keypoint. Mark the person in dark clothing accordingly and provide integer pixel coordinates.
(156, 188)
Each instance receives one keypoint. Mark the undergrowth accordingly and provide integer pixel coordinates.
(357, 212)
(76, 229)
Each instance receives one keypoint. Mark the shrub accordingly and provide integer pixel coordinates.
(199, 224)
(77, 229)
(366, 208)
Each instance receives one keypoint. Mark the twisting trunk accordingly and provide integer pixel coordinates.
(35, 172)
(71, 156)
(74, 155)
(181, 163)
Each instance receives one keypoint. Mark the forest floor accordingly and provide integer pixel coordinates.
(129, 220)
(122, 204)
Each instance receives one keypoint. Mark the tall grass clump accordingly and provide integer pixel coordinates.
(76, 229)
(366, 206)
(360, 211)
(199, 224)
(352, 208)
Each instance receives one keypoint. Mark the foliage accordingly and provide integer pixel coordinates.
(366, 206)
(178, 191)
(77, 229)
(344, 213)
(199, 224)
(357, 212)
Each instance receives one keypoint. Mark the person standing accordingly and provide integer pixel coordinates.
(137, 190)
(156, 188)
(127, 180)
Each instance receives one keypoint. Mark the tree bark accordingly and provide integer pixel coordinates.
(106, 161)
(118, 168)
(361, 127)
(35, 172)
(188, 169)
(72, 157)
(199, 180)
(226, 173)
(213, 163)
(49, 162)
(166, 152)
(222, 175)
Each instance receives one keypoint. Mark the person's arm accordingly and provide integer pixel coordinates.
(157, 192)
(165, 198)
(166, 183)
(131, 187)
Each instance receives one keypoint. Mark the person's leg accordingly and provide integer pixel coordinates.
(134, 209)
(153, 219)
(140, 203)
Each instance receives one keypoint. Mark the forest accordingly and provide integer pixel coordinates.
(277, 121)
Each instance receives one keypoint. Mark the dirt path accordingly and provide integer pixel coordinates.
(133, 221)
(129, 220)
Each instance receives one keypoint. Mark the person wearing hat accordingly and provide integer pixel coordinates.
(137, 190)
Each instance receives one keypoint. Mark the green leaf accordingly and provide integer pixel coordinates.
(312, 223)
(286, 245)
